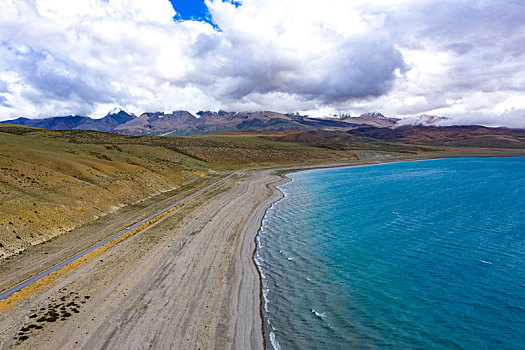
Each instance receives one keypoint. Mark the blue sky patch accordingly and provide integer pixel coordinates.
(191, 10)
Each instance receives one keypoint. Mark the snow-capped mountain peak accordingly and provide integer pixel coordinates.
(115, 110)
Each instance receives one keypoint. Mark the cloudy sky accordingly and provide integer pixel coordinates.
(460, 59)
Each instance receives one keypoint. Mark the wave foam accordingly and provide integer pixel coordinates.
(319, 314)
(274, 342)
(485, 262)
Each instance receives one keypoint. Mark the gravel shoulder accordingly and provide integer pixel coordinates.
(20, 267)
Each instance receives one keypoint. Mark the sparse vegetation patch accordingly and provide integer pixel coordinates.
(56, 310)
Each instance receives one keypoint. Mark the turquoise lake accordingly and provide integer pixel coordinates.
(414, 255)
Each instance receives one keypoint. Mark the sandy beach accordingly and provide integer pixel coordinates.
(186, 282)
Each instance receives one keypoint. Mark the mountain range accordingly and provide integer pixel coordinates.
(183, 123)
(290, 127)
(77, 122)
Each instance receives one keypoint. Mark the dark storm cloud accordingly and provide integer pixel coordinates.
(358, 67)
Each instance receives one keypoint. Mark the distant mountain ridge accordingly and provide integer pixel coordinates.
(76, 122)
(372, 119)
(183, 123)
(328, 132)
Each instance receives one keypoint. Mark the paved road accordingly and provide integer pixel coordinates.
(40, 275)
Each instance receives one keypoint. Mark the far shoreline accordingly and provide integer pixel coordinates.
(284, 171)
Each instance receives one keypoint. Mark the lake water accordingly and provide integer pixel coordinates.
(413, 255)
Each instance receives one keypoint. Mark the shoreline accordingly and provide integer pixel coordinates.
(282, 172)
(285, 179)
(273, 188)
(284, 306)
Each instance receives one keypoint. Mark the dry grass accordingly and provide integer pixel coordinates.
(49, 187)
(54, 181)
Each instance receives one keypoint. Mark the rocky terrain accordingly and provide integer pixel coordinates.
(183, 123)
(424, 129)
(76, 122)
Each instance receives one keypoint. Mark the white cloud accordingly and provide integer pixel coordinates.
(78, 57)
(460, 59)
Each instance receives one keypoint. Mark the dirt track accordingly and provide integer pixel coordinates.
(187, 282)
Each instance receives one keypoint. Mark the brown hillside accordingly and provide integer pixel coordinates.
(49, 187)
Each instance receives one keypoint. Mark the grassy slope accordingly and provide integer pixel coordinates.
(53, 181)
(50, 186)
(213, 150)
